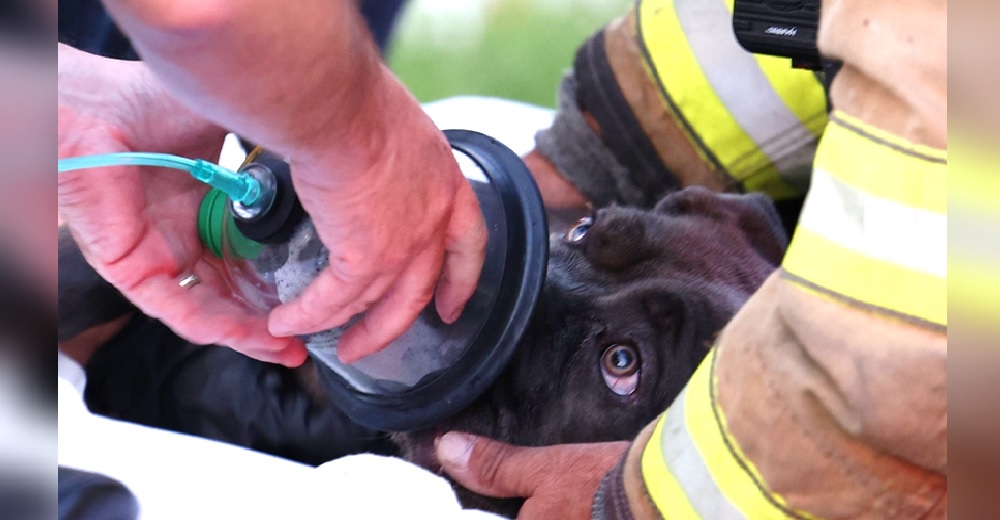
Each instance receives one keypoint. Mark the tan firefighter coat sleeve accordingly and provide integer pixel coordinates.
(675, 101)
(826, 395)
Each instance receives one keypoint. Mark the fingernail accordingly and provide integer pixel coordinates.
(279, 329)
(454, 315)
(454, 449)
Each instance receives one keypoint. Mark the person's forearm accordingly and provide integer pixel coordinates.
(291, 76)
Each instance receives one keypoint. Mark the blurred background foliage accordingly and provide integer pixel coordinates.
(516, 49)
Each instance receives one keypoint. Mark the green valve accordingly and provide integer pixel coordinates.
(213, 217)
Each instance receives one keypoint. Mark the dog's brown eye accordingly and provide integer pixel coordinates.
(620, 368)
(621, 360)
(577, 232)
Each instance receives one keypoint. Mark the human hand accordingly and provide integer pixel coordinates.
(375, 175)
(137, 226)
(558, 481)
(400, 220)
(556, 191)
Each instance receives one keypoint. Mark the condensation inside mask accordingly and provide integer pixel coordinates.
(429, 346)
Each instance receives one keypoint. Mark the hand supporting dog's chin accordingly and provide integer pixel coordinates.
(418, 447)
(633, 300)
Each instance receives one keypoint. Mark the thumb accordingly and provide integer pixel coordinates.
(490, 467)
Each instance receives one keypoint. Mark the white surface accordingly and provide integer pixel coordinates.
(178, 476)
(513, 123)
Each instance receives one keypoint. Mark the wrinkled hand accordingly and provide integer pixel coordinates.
(137, 226)
(558, 481)
(400, 220)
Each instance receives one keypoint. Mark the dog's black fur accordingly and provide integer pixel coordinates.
(663, 282)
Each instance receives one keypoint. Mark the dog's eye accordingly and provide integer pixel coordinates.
(620, 368)
(621, 360)
(577, 232)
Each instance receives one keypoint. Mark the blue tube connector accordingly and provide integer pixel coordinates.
(237, 186)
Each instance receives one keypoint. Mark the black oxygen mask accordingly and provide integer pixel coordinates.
(272, 252)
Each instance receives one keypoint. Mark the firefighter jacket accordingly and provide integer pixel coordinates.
(826, 395)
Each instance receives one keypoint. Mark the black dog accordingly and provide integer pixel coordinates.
(632, 302)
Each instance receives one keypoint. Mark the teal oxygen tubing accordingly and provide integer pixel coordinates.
(239, 187)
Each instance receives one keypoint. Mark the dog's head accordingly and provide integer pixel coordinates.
(632, 302)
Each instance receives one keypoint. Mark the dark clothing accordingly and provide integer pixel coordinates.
(85, 24)
(148, 375)
(90, 496)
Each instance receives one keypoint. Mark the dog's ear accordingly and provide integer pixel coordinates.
(752, 213)
(617, 239)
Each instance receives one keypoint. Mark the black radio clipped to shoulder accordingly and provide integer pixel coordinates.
(780, 28)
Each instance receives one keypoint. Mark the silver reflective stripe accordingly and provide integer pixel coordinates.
(745, 90)
(876, 227)
(683, 460)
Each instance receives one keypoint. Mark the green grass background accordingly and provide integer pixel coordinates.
(519, 51)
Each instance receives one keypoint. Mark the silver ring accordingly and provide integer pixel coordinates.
(189, 281)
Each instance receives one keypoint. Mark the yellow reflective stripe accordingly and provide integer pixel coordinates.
(761, 130)
(732, 472)
(873, 230)
(830, 267)
(871, 163)
(669, 52)
(662, 485)
(683, 459)
(802, 92)
(674, 62)
(768, 180)
(876, 227)
(693, 468)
